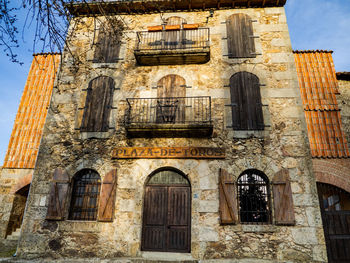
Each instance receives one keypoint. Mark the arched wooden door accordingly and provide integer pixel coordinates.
(335, 211)
(167, 213)
(171, 99)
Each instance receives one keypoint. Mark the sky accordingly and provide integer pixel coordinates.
(313, 24)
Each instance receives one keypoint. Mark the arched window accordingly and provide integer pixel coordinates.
(171, 95)
(240, 39)
(175, 20)
(98, 104)
(85, 195)
(246, 102)
(254, 197)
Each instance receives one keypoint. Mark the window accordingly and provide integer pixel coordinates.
(98, 105)
(240, 39)
(246, 102)
(85, 195)
(108, 44)
(175, 20)
(253, 196)
(171, 95)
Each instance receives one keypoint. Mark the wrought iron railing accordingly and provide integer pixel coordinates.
(176, 110)
(173, 39)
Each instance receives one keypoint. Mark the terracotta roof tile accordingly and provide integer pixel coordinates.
(27, 129)
(318, 88)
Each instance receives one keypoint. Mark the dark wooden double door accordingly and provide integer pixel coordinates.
(167, 219)
(335, 211)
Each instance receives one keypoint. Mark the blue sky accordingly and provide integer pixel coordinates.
(313, 24)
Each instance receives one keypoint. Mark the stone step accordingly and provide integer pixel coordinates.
(14, 235)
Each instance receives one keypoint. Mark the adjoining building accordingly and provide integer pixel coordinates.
(179, 127)
(320, 92)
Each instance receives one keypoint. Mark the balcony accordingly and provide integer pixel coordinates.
(169, 117)
(172, 47)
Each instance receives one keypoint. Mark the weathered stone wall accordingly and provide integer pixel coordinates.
(281, 145)
(344, 104)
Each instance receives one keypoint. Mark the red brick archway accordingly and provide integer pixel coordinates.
(333, 171)
(22, 182)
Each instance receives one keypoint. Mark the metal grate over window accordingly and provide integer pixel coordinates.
(253, 196)
(85, 195)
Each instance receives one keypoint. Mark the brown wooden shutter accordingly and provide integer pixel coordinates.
(246, 102)
(283, 199)
(107, 197)
(227, 198)
(98, 105)
(173, 86)
(240, 40)
(107, 46)
(59, 189)
(175, 20)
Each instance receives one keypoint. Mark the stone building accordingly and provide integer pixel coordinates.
(16, 173)
(326, 119)
(175, 127)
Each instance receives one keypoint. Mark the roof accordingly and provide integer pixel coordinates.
(318, 88)
(110, 7)
(343, 75)
(28, 127)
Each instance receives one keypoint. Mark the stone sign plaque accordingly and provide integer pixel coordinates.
(168, 153)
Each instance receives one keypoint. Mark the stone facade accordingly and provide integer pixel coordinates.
(282, 144)
(344, 104)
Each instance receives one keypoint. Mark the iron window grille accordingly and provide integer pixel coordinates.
(253, 197)
(85, 195)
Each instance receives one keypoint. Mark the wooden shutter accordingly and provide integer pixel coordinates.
(227, 198)
(283, 200)
(246, 102)
(107, 197)
(98, 105)
(107, 46)
(172, 86)
(175, 20)
(59, 189)
(240, 40)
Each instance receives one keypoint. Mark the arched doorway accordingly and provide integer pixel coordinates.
(17, 211)
(335, 212)
(167, 212)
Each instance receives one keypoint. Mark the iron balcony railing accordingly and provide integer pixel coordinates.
(176, 110)
(173, 40)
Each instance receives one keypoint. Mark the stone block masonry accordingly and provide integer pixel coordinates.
(280, 145)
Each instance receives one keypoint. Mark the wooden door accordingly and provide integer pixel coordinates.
(171, 104)
(166, 218)
(335, 212)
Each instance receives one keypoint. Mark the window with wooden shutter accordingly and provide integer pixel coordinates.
(246, 104)
(175, 20)
(283, 199)
(59, 189)
(254, 197)
(227, 198)
(108, 44)
(240, 39)
(107, 197)
(85, 195)
(171, 104)
(98, 105)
